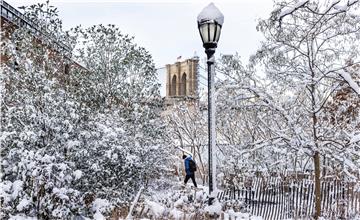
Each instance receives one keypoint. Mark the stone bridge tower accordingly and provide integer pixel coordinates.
(181, 81)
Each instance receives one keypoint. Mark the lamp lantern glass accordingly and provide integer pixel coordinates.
(210, 32)
(210, 22)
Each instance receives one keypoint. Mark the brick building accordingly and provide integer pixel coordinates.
(11, 19)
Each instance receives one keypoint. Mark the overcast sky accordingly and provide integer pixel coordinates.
(168, 28)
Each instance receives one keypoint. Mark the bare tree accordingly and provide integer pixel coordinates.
(187, 130)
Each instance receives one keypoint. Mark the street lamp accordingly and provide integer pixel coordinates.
(210, 21)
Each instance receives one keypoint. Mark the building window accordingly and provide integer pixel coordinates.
(183, 85)
(173, 86)
(10, 16)
(3, 12)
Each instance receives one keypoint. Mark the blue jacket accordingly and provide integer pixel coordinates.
(187, 165)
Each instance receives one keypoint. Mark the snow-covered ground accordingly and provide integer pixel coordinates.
(185, 202)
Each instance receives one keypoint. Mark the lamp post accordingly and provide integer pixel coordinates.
(210, 21)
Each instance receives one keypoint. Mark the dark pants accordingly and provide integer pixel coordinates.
(192, 176)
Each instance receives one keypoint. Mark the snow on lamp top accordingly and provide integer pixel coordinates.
(209, 13)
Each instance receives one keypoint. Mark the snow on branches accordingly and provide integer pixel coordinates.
(74, 135)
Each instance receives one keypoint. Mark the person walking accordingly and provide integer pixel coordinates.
(190, 168)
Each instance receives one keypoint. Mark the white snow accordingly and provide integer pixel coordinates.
(341, 7)
(180, 201)
(23, 204)
(185, 151)
(156, 208)
(72, 143)
(231, 214)
(62, 166)
(300, 3)
(100, 204)
(16, 187)
(47, 159)
(95, 167)
(98, 216)
(345, 4)
(5, 186)
(134, 203)
(211, 12)
(350, 81)
(61, 193)
(215, 208)
(21, 217)
(286, 11)
(115, 156)
(77, 174)
(355, 138)
(176, 214)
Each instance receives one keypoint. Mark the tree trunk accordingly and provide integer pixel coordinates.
(317, 185)
(317, 165)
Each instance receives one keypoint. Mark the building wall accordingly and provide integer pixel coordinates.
(182, 79)
(11, 19)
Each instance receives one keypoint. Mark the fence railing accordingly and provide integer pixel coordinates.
(277, 199)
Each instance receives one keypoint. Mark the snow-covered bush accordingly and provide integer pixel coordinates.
(38, 120)
(120, 145)
(36, 184)
(72, 135)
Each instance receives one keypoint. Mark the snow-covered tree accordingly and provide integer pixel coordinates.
(37, 120)
(186, 129)
(342, 118)
(252, 124)
(75, 134)
(121, 146)
(307, 51)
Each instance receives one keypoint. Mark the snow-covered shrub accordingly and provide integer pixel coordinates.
(120, 145)
(37, 121)
(37, 184)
